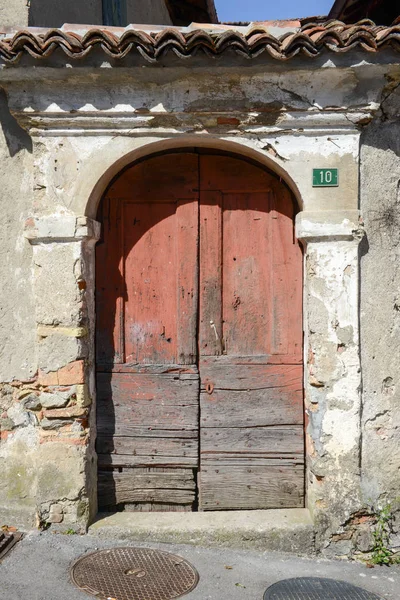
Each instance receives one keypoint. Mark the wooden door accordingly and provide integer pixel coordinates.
(174, 225)
(146, 302)
(251, 402)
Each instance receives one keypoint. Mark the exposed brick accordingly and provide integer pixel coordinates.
(72, 441)
(71, 374)
(228, 121)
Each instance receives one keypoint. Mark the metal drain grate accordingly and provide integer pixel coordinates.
(7, 541)
(134, 574)
(317, 588)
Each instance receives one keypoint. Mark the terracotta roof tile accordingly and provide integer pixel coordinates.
(281, 40)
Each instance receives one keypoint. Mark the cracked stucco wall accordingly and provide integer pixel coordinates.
(380, 306)
(17, 324)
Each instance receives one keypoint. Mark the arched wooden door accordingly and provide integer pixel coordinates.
(199, 338)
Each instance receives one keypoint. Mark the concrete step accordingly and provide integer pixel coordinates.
(281, 530)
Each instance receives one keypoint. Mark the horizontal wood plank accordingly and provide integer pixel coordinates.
(146, 400)
(175, 370)
(239, 487)
(130, 460)
(132, 486)
(253, 408)
(253, 441)
(148, 446)
(226, 374)
(164, 387)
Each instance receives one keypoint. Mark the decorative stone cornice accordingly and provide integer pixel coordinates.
(327, 225)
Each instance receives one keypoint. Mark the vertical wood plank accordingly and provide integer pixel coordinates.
(248, 460)
(110, 285)
(210, 311)
(246, 266)
(188, 280)
(151, 279)
(287, 280)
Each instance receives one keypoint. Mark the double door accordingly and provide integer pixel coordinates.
(199, 338)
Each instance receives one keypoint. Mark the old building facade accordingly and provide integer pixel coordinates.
(173, 147)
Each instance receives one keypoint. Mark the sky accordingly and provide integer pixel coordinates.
(269, 10)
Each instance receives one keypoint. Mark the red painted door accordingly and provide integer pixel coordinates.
(251, 402)
(174, 225)
(146, 302)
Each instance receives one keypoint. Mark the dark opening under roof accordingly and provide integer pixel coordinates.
(184, 12)
(382, 12)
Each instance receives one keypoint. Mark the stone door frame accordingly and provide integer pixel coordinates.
(65, 241)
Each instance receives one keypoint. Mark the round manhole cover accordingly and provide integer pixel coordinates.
(316, 588)
(134, 574)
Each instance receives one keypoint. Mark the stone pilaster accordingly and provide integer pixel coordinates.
(59, 400)
(332, 373)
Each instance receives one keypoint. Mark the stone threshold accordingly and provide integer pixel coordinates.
(280, 530)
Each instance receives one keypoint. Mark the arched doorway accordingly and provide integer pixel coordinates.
(199, 337)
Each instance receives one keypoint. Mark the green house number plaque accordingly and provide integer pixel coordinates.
(325, 177)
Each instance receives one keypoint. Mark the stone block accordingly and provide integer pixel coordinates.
(83, 398)
(58, 298)
(32, 402)
(66, 413)
(54, 424)
(364, 539)
(55, 399)
(55, 352)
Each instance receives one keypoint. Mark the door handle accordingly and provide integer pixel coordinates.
(221, 342)
(213, 326)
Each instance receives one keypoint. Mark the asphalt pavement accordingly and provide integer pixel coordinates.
(38, 568)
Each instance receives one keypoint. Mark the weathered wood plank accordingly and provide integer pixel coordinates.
(179, 371)
(148, 401)
(243, 487)
(287, 282)
(229, 375)
(157, 507)
(109, 286)
(163, 178)
(251, 460)
(247, 273)
(154, 432)
(187, 238)
(210, 304)
(130, 387)
(250, 408)
(131, 486)
(255, 441)
(129, 460)
(148, 446)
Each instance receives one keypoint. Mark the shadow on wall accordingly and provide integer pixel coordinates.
(16, 138)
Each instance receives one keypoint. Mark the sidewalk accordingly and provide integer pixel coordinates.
(38, 569)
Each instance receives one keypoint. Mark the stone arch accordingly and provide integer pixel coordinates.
(118, 159)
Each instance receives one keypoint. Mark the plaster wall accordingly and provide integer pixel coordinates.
(148, 11)
(380, 312)
(17, 305)
(18, 361)
(54, 13)
(14, 13)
